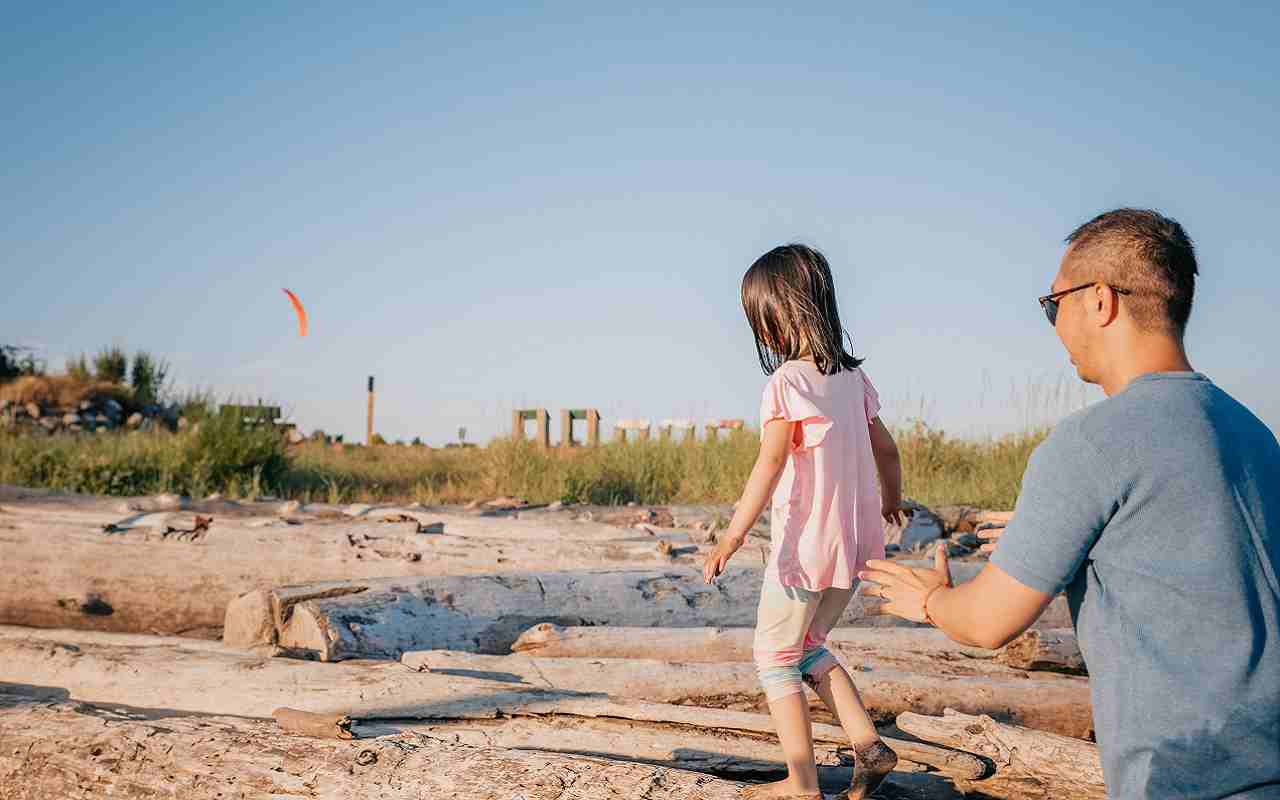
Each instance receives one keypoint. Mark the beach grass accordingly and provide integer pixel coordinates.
(221, 457)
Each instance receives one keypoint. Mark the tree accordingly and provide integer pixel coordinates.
(16, 362)
(149, 375)
(377, 439)
(111, 364)
(78, 368)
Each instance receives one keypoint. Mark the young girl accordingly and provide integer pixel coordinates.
(822, 445)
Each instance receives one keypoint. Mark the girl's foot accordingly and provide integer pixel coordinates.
(871, 764)
(778, 790)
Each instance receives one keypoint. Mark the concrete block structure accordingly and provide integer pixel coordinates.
(540, 415)
(622, 426)
(588, 415)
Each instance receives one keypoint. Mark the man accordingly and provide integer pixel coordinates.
(1158, 511)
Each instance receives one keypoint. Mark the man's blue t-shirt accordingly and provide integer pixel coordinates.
(1158, 512)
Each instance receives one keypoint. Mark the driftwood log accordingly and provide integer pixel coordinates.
(1056, 703)
(383, 618)
(67, 750)
(102, 564)
(1029, 765)
(211, 679)
(1038, 649)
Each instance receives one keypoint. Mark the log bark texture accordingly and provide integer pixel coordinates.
(1051, 649)
(384, 618)
(1056, 703)
(1029, 765)
(71, 751)
(213, 680)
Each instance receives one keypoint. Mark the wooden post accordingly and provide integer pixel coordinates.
(593, 427)
(517, 424)
(712, 430)
(566, 428)
(368, 439)
(664, 431)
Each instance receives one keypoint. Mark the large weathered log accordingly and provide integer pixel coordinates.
(386, 617)
(1028, 764)
(68, 750)
(383, 618)
(1038, 649)
(1049, 702)
(95, 564)
(213, 679)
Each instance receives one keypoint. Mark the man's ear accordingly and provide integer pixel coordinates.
(1102, 304)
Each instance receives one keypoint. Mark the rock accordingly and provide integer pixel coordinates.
(135, 419)
(33, 410)
(922, 528)
(556, 506)
(49, 424)
(288, 507)
(70, 418)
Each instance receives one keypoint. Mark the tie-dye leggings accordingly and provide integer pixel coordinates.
(792, 624)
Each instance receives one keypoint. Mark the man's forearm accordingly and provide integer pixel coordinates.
(953, 611)
(989, 611)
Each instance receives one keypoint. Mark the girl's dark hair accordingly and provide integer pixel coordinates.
(790, 300)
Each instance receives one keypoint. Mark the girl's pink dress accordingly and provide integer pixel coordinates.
(826, 521)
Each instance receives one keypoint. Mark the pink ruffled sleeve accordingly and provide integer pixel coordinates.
(784, 400)
(870, 397)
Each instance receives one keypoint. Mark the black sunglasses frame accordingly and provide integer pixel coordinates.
(1050, 301)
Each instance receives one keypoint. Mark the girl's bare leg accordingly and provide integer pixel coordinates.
(873, 760)
(791, 719)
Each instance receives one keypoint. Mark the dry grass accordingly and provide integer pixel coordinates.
(61, 391)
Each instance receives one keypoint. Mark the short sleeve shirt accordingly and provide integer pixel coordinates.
(826, 520)
(1158, 512)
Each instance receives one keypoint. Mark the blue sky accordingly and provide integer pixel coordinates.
(491, 206)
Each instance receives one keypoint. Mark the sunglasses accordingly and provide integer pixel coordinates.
(1050, 301)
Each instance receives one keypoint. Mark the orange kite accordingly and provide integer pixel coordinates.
(302, 312)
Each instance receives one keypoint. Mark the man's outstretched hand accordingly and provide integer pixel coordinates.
(904, 589)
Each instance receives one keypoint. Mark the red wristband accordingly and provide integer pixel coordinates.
(925, 604)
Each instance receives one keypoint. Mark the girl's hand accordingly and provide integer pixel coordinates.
(719, 557)
(894, 513)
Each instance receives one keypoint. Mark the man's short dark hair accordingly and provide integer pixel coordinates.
(1142, 251)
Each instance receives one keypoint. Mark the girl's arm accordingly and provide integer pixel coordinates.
(885, 452)
(775, 446)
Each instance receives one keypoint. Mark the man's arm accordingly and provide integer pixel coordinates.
(989, 611)
(1068, 495)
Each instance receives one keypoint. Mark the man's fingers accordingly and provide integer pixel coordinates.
(881, 609)
(993, 532)
(883, 565)
(987, 548)
(879, 578)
